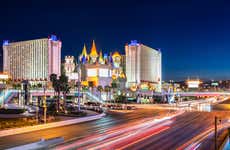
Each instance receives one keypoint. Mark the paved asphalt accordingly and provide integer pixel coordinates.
(183, 128)
(78, 131)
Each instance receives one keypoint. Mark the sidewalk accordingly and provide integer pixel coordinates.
(50, 125)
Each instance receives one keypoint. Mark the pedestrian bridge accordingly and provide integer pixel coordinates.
(7, 95)
(187, 93)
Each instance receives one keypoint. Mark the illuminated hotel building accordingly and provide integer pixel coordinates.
(143, 66)
(32, 60)
(98, 69)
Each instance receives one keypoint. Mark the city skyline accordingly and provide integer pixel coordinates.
(191, 35)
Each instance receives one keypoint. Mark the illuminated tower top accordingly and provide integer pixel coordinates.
(84, 56)
(84, 52)
(101, 59)
(116, 59)
(93, 52)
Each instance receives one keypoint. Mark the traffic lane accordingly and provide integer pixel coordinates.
(184, 127)
(158, 138)
(78, 131)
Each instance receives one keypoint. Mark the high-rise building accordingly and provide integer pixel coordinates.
(143, 66)
(33, 59)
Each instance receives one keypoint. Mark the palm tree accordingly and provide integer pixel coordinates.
(99, 89)
(91, 86)
(64, 86)
(107, 90)
(53, 77)
(57, 89)
(113, 86)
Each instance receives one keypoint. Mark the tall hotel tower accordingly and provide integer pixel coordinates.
(32, 60)
(143, 65)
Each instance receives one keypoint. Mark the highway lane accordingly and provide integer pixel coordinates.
(184, 128)
(82, 130)
(161, 136)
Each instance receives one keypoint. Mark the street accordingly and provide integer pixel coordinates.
(79, 130)
(170, 134)
(135, 130)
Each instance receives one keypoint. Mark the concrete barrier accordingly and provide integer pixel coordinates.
(49, 125)
(42, 144)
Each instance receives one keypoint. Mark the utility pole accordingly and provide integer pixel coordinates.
(44, 104)
(79, 86)
(215, 132)
(37, 109)
(216, 122)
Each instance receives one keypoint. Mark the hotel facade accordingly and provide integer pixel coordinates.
(33, 60)
(143, 66)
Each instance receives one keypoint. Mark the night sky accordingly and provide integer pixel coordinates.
(194, 36)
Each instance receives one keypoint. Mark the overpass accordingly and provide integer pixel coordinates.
(8, 94)
(148, 93)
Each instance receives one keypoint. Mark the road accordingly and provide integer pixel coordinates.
(80, 130)
(184, 128)
(170, 134)
(135, 130)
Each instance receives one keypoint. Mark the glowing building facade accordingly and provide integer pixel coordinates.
(99, 69)
(143, 66)
(70, 68)
(32, 60)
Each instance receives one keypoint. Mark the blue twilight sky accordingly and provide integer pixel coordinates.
(193, 35)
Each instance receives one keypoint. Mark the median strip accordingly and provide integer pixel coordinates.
(49, 125)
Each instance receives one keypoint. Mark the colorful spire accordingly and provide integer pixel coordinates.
(101, 60)
(84, 55)
(84, 52)
(116, 54)
(93, 52)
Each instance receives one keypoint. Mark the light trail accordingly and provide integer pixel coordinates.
(122, 136)
(196, 142)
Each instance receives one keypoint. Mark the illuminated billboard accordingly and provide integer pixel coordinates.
(91, 72)
(4, 76)
(193, 83)
(72, 76)
(103, 73)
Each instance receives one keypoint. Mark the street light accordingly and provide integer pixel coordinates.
(44, 102)
(216, 121)
(79, 85)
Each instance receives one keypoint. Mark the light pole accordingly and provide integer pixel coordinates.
(216, 122)
(79, 86)
(44, 103)
(3, 98)
(37, 109)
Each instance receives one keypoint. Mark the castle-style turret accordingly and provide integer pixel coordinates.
(93, 53)
(84, 52)
(84, 56)
(116, 59)
(101, 59)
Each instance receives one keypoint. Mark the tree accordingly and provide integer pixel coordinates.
(64, 86)
(107, 90)
(53, 77)
(91, 86)
(99, 89)
(113, 86)
(60, 85)
(57, 89)
(39, 85)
